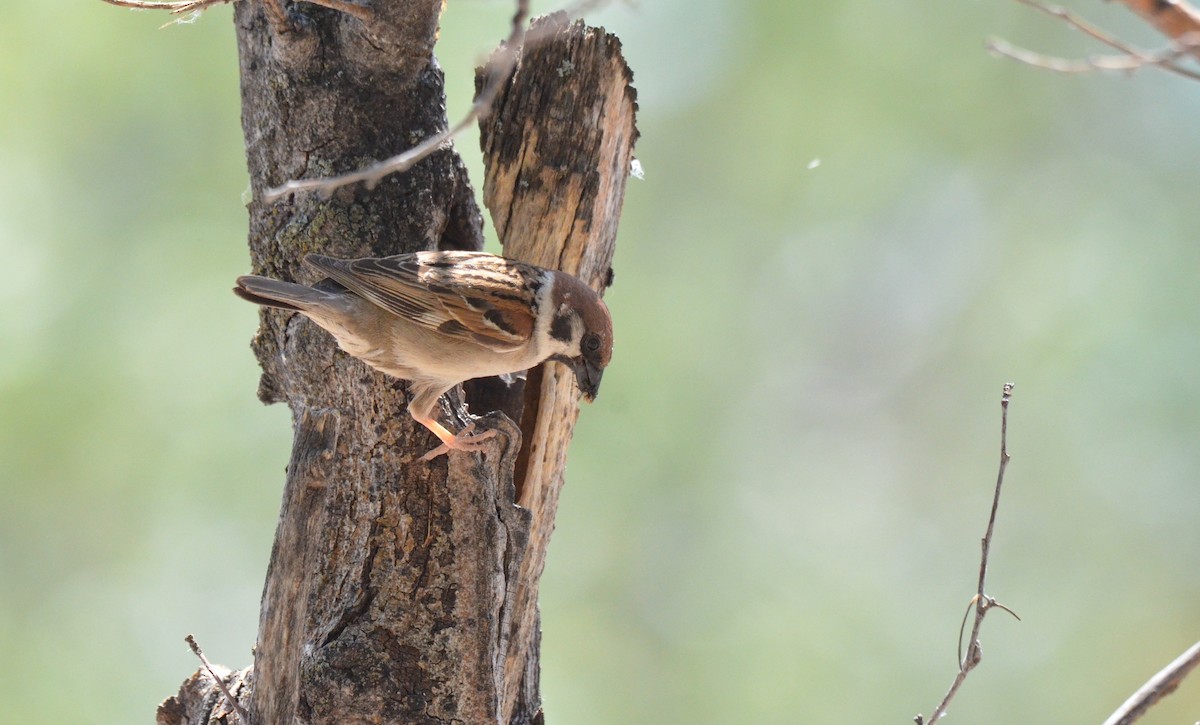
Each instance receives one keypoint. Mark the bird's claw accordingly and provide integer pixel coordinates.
(466, 440)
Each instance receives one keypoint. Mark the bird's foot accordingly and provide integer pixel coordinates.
(466, 440)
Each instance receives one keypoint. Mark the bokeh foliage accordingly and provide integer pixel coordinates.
(773, 510)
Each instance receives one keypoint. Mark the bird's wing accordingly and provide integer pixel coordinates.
(483, 298)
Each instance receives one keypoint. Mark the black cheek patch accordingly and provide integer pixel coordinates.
(560, 328)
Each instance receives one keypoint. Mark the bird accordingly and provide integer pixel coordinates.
(439, 318)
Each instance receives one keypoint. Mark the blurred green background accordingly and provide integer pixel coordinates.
(773, 511)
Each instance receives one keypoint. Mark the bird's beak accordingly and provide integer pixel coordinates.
(587, 376)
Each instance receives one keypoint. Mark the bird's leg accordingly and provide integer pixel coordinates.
(421, 408)
(466, 440)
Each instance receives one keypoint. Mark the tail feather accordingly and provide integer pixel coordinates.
(273, 293)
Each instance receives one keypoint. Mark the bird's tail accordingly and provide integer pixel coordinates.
(284, 295)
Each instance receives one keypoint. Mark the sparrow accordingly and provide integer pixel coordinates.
(437, 319)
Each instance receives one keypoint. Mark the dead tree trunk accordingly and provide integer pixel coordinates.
(401, 591)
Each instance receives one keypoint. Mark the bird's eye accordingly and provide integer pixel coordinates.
(591, 343)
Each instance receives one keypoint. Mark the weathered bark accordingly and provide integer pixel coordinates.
(401, 591)
(557, 151)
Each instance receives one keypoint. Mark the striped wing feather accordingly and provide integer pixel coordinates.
(472, 296)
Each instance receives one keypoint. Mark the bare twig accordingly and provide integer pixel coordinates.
(357, 10)
(1130, 60)
(237, 706)
(1156, 688)
(1078, 23)
(1165, 59)
(175, 7)
(981, 601)
(503, 63)
(989, 602)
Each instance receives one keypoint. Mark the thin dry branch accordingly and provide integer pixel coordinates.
(233, 701)
(1167, 59)
(1156, 688)
(501, 65)
(1083, 26)
(192, 8)
(981, 601)
(175, 7)
(1130, 59)
(504, 61)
